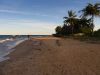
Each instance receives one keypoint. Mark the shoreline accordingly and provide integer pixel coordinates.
(9, 46)
(53, 56)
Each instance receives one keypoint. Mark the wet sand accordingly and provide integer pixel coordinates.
(53, 56)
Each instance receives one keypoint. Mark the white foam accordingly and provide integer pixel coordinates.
(5, 40)
(4, 58)
(7, 45)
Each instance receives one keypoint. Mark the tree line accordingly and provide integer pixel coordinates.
(82, 24)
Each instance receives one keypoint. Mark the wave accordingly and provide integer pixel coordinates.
(7, 45)
(5, 40)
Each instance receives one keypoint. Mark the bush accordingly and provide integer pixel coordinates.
(57, 35)
(86, 31)
(58, 30)
(97, 33)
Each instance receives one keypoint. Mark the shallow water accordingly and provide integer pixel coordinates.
(7, 45)
(7, 42)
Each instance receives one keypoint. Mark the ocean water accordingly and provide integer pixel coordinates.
(8, 42)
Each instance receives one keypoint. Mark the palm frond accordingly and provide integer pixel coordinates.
(65, 17)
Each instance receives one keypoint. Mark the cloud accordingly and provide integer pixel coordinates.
(27, 13)
(14, 12)
(26, 27)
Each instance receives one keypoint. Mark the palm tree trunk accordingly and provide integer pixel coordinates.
(92, 24)
(72, 29)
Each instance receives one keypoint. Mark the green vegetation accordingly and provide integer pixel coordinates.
(92, 10)
(84, 25)
(97, 33)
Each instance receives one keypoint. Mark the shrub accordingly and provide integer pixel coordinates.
(86, 30)
(97, 33)
(58, 30)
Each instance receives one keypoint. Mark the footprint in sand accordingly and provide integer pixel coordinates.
(36, 43)
(58, 43)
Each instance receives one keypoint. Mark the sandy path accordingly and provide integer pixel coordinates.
(53, 56)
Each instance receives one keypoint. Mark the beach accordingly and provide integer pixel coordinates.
(53, 56)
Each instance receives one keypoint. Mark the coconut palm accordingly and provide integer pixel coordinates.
(70, 20)
(84, 22)
(91, 10)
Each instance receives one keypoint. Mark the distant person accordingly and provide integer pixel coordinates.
(28, 36)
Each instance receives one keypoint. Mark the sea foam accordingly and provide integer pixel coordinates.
(6, 46)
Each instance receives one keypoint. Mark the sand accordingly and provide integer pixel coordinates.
(53, 56)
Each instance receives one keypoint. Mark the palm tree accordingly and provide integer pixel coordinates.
(70, 20)
(91, 10)
(84, 22)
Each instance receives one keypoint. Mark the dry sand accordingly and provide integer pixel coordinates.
(53, 56)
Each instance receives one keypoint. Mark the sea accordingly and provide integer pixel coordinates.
(8, 42)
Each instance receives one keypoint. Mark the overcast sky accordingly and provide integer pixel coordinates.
(37, 16)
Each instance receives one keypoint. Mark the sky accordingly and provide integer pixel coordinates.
(37, 17)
